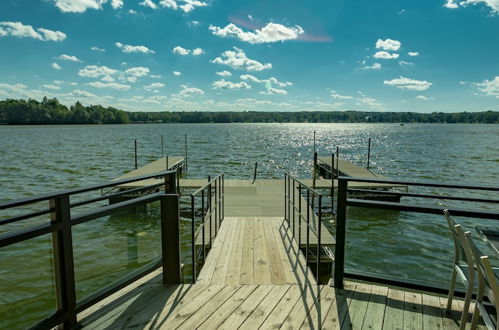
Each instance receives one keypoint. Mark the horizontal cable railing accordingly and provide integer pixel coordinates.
(297, 193)
(211, 212)
(60, 227)
(344, 201)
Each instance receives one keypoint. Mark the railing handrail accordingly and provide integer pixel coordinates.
(343, 201)
(290, 203)
(210, 211)
(421, 184)
(207, 184)
(312, 190)
(74, 191)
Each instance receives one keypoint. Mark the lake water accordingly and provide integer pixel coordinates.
(38, 159)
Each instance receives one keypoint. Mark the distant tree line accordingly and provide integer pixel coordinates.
(50, 111)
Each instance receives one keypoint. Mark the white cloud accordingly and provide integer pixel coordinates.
(116, 4)
(148, 3)
(97, 49)
(413, 53)
(268, 84)
(132, 74)
(385, 55)
(371, 102)
(489, 87)
(155, 76)
(408, 84)
(374, 66)
(197, 51)
(451, 4)
(52, 87)
(422, 97)
(177, 73)
(273, 91)
(77, 6)
(405, 64)
(154, 86)
(492, 4)
(116, 86)
(180, 51)
(224, 73)
(223, 84)
(237, 59)
(56, 66)
(134, 49)
(189, 91)
(388, 44)
(78, 92)
(250, 78)
(93, 71)
(192, 23)
(337, 96)
(71, 58)
(108, 79)
(19, 30)
(271, 32)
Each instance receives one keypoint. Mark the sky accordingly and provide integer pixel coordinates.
(259, 55)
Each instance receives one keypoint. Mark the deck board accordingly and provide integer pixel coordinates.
(189, 306)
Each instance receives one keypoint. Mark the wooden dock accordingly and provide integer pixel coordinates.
(255, 277)
(159, 165)
(349, 169)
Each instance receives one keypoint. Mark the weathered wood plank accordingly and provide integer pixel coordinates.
(394, 312)
(248, 254)
(305, 303)
(234, 270)
(282, 310)
(317, 316)
(358, 306)
(222, 267)
(413, 317)
(432, 315)
(262, 311)
(246, 308)
(198, 310)
(375, 313)
(338, 315)
(275, 265)
(208, 269)
(225, 310)
(261, 269)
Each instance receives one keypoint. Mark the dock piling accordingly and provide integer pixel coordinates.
(254, 173)
(185, 147)
(162, 147)
(368, 152)
(136, 165)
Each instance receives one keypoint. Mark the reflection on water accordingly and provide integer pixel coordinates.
(44, 159)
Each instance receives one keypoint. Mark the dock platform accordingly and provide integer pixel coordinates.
(255, 277)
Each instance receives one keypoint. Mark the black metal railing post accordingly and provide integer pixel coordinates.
(170, 239)
(332, 183)
(368, 152)
(319, 219)
(339, 251)
(337, 162)
(62, 243)
(135, 153)
(285, 196)
(171, 183)
(193, 235)
(314, 172)
(308, 226)
(294, 207)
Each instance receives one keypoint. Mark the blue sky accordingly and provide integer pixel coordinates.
(182, 55)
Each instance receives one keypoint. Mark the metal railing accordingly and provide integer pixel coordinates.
(343, 201)
(60, 227)
(296, 193)
(211, 212)
(333, 173)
